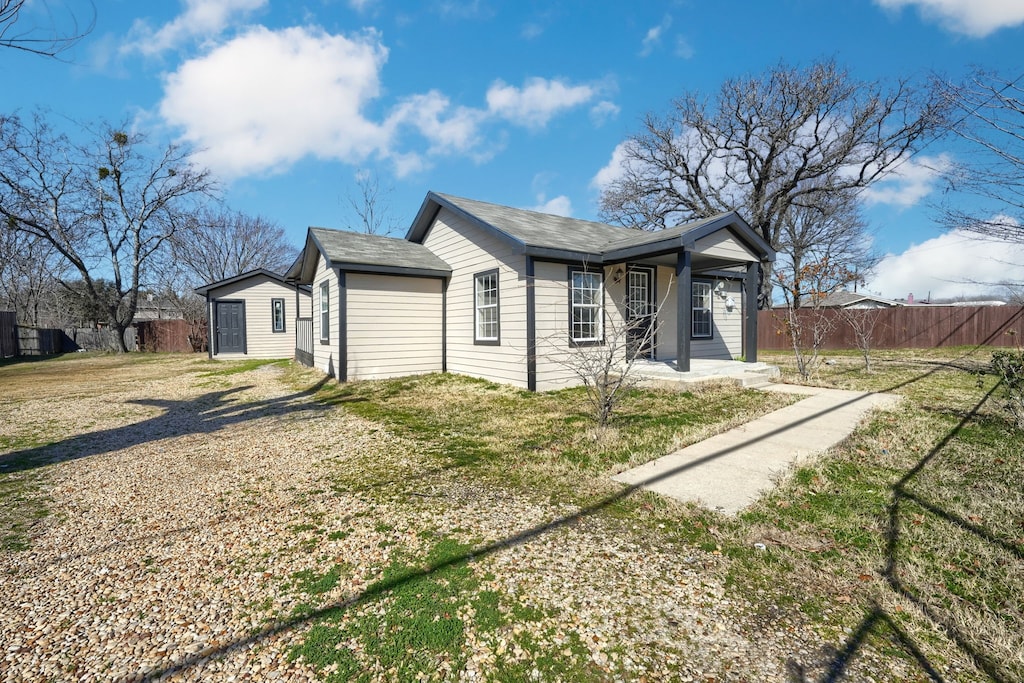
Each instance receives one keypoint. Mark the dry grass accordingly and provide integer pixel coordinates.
(915, 523)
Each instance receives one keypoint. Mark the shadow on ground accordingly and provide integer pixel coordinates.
(204, 414)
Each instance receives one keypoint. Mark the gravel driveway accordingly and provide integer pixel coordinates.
(180, 504)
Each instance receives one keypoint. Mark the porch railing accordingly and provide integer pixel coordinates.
(304, 341)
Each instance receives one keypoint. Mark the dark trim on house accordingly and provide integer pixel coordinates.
(750, 286)
(399, 271)
(497, 282)
(684, 313)
(342, 327)
(209, 326)
(652, 299)
(273, 321)
(711, 307)
(444, 324)
(585, 268)
(531, 325)
(325, 331)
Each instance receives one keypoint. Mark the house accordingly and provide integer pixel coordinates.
(252, 315)
(845, 299)
(508, 294)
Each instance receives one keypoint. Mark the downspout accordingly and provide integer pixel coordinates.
(342, 328)
(531, 326)
(444, 324)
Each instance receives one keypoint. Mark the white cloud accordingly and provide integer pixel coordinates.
(537, 101)
(603, 112)
(449, 130)
(652, 38)
(613, 170)
(559, 206)
(268, 98)
(683, 48)
(911, 182)
(951, 265)
(201, 19)
(362, 6)
(976, 18)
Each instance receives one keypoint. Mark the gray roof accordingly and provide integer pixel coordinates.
(540, 232)
(843, 298)
(242, 276)
(375, 253)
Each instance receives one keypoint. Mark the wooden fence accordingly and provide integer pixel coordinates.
(304, 341)
(906, 327)
(8, 334)
(176, 336)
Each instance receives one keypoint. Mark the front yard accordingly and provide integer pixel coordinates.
(164, 517)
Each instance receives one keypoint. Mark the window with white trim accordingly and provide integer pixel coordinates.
(487, 326)
(277, 314)
(325, 311)
(701, 318)
(586, 306)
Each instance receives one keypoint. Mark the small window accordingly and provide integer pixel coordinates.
(487, 327)
(277, 312)
(586, 306)
(325, 311)
(701, 325)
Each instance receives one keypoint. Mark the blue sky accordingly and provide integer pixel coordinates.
(520, 103)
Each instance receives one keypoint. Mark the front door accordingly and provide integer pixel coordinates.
(640, 311)
(230, 317)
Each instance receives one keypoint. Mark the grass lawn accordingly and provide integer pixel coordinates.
(902, 548)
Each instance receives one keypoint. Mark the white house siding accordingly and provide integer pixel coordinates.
(260, 339)
(726, 342)
(553, 348)
(470, 250)
(325, 355)
(393, 325)
(724, 244)
(665, 338)
(305, 306)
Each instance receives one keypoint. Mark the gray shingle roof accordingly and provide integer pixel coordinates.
(545, 231)
(535, 229)
(344, 248)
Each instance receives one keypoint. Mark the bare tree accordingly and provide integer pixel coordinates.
(371, 204)
(53, 27)
(992, 109)
(606, 370)
(766, 145)
(108, 207)
(809, 324)
(29, 270)
(217, 244)
(862, 322)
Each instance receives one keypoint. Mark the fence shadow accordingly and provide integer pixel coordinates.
(204, 414)
(835, 667)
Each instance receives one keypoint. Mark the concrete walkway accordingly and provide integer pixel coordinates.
(729, 471)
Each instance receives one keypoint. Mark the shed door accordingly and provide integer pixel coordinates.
(230, 316)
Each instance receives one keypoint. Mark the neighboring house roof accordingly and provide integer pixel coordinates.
(359, 252)
(844, 299)
(541, 234)
(201, 291)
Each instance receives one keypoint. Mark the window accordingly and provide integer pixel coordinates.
(325, 312)
(277, 314)
(586, 306)
(485, 292)
(701, 321)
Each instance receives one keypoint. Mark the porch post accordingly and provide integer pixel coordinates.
(750, 282)
(684, 309)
